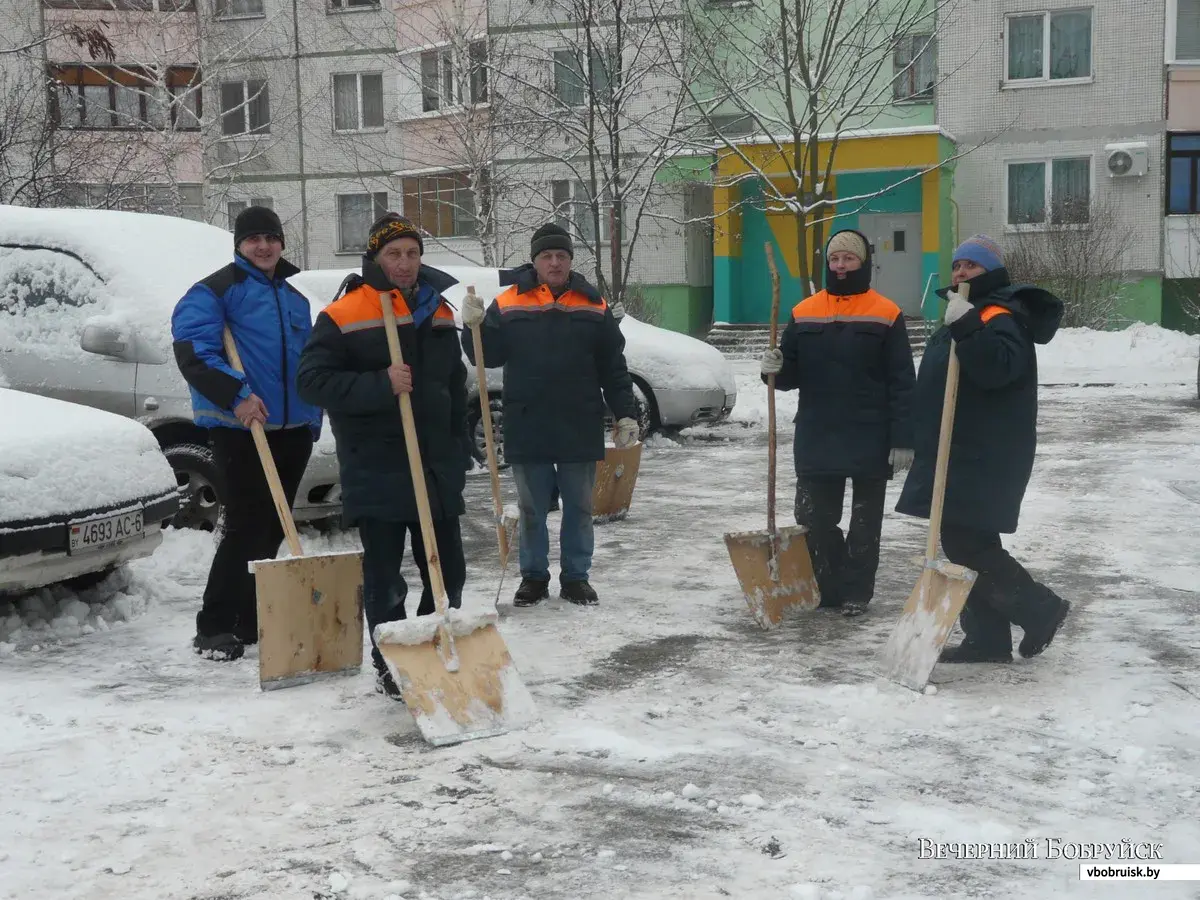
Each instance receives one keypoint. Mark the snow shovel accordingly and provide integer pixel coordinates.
(505, 524)
(936, 601)
(616, 478)
(452, 667)
(773, 566)
(310, 618)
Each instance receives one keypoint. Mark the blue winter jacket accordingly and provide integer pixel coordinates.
(270, 322)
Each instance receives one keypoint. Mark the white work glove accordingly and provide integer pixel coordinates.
(772, 362)
(626, 433)
(956, 307)
(473, 312)
(618, 310)
(900, 459)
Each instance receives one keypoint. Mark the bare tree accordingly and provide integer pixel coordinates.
(784, 84)
(1078, 256)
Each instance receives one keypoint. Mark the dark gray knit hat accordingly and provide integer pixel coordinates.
(550, 237)
(255, 220)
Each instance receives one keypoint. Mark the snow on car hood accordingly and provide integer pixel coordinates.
(147, 262)
(667, 360)
(58, 457)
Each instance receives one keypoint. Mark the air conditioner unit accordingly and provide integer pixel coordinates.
(1125, 160)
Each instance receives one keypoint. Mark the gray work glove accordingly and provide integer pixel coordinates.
(956, 307)
(772, 362)
(473, 312)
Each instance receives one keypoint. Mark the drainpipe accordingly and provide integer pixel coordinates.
(300, 134)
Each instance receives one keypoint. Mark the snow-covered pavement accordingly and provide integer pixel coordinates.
(681, 751)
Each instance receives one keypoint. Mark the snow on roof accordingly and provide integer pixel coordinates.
(58, 457)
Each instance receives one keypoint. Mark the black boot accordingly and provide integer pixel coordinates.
(219, 647)
(578, 592)
(1037, 638)
(532, 591)
(853, 608)
(968, 652)
(386, 685)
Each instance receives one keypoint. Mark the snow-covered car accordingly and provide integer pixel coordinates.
(81, 491)
(85, 315)
(679, 380)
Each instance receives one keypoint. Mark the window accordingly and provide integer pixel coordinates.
(1049, 192)
(353, 4)
(914, 67)
(477, 52)
(235, 207)
(355, 214)
(245, 107)
(141, 5)
(183, 200)
(570, 83)
(442, 205)
(121, 97)
(357, 102)
(239, 9)
(573, 211)
(1049, 46)
(437, 79)
(1187, 30)
(1183, 174)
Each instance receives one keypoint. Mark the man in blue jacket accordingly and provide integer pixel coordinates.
(270, 322)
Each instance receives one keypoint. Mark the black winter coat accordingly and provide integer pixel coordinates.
(344, 369)
(995, 422)
(563, 359)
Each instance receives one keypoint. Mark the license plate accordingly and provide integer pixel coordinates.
(105, 531)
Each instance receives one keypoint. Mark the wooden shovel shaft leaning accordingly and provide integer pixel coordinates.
(949, 403)
(485, 410)
(416, 468)
(282, 507)
(771, 395)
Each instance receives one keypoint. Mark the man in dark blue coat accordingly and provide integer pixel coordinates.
(270, 322)
(991, 451)
(564, 358)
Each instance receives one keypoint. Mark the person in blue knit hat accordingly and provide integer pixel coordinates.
(995, 330)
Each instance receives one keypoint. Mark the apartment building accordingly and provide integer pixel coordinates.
(1059, 110)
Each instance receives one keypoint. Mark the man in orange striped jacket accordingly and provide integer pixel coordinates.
(346, 368)
(847, 352)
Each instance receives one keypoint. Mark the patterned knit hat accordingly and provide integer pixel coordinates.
(981, 250)
(847, 242)
(389, 227)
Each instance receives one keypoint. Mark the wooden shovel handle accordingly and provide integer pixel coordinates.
(949, 404)
(282, 507)
(485, 410)
(416, 468)
(771, 392)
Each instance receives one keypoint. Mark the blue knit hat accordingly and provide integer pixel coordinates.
(981, 250)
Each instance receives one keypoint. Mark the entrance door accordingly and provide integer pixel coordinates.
(896, 240)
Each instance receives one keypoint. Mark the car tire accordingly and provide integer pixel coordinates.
(475, 430)
(201, 483)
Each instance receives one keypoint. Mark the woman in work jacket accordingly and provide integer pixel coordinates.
(846, 351)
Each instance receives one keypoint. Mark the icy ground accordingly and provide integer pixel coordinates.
(682, 752)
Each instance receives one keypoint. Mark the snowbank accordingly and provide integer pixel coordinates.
(1139, 354)
(58, 457)
(54, 614)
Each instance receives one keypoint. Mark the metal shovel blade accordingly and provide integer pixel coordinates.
(775, 572)
(310, 618)
(932, 608)
(616, 478)
(479, 695)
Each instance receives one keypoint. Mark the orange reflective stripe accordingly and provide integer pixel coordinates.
(361, 308)
(823, 308)
(990, 312)
(541, 300)
(443, 316)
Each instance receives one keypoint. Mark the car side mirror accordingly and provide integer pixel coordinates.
(117, 340)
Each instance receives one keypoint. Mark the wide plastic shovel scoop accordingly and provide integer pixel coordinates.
(310, 620)
(935, 603)
(452, 667)
(773, 566)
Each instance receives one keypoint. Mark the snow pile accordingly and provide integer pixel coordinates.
(1139, 354)
(56, 613)
(58, 457)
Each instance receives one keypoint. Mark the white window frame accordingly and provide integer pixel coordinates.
(1045, 80)
(1172, 38)
(461, 82)
(591, 90)
(244, 109)
(358, 80)
(931, 42)
(342, 7)
(337, 214)
(234, 17)
(1048, 162)
(577, 202)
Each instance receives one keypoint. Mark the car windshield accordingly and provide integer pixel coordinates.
(46, 296)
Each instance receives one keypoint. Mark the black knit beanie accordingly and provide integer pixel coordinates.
(550, 237)
(389, 227)
(255, 220)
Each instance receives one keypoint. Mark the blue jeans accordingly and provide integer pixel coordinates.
(535, 485)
